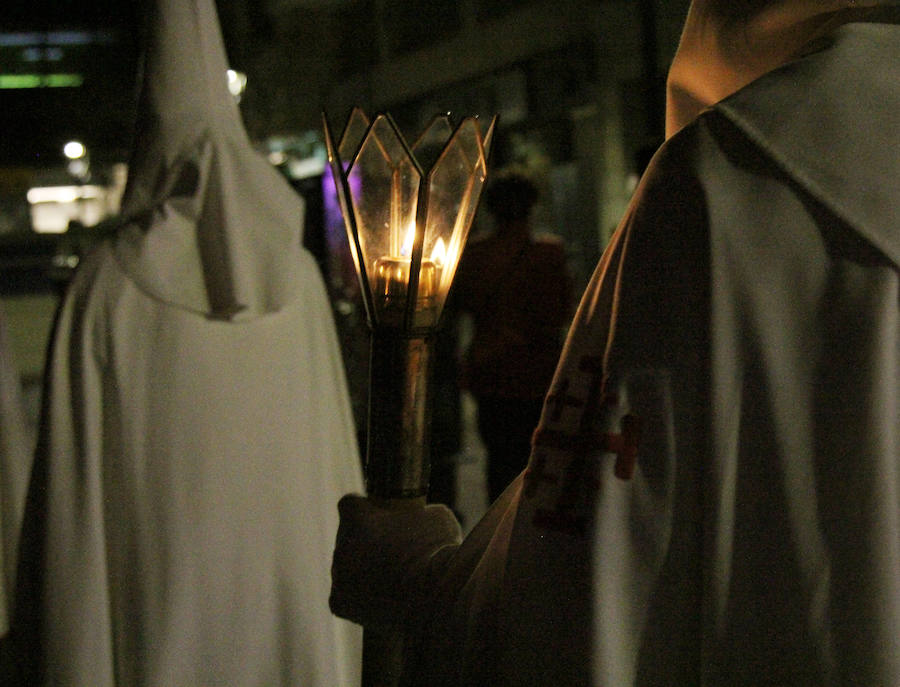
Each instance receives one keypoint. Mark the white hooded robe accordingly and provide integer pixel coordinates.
(197, 430)
(713, 497)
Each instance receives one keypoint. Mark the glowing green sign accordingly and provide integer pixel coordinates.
(18, 81)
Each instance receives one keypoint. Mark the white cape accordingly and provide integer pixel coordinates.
(197, 431)
(713, 497)
(188, 471)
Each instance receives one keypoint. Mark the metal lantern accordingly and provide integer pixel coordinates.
(408, 211)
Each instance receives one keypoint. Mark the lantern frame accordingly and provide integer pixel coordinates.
(345, 157)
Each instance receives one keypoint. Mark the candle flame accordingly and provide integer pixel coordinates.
(406, 247)
(439, 253)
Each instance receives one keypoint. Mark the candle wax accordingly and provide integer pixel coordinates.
(392, 283)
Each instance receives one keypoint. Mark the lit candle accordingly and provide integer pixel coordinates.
(439, 253)
(392, 278)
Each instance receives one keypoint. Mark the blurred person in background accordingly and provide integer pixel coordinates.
(516, 286)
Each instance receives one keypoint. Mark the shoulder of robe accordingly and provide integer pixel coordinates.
(829, 121)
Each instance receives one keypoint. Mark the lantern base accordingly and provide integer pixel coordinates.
(400, 407)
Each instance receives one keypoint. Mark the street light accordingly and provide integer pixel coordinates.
(74, 150)
(79, 160)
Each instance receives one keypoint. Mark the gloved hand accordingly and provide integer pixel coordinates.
(387, 558)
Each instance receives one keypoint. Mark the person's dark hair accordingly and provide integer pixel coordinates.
(510, 196)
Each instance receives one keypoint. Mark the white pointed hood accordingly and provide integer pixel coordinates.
(715, 59)
(211, 226)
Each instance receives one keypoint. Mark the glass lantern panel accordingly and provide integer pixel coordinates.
(338, 166)
(384, 186)
(454, 188)
(488, 139)
(430, 144)
(354, 131)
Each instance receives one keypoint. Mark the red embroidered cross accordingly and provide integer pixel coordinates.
(560, 399)
(625, 446)
(536, 473)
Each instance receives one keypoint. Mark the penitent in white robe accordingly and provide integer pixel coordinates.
(196, 428)
(713, 497)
